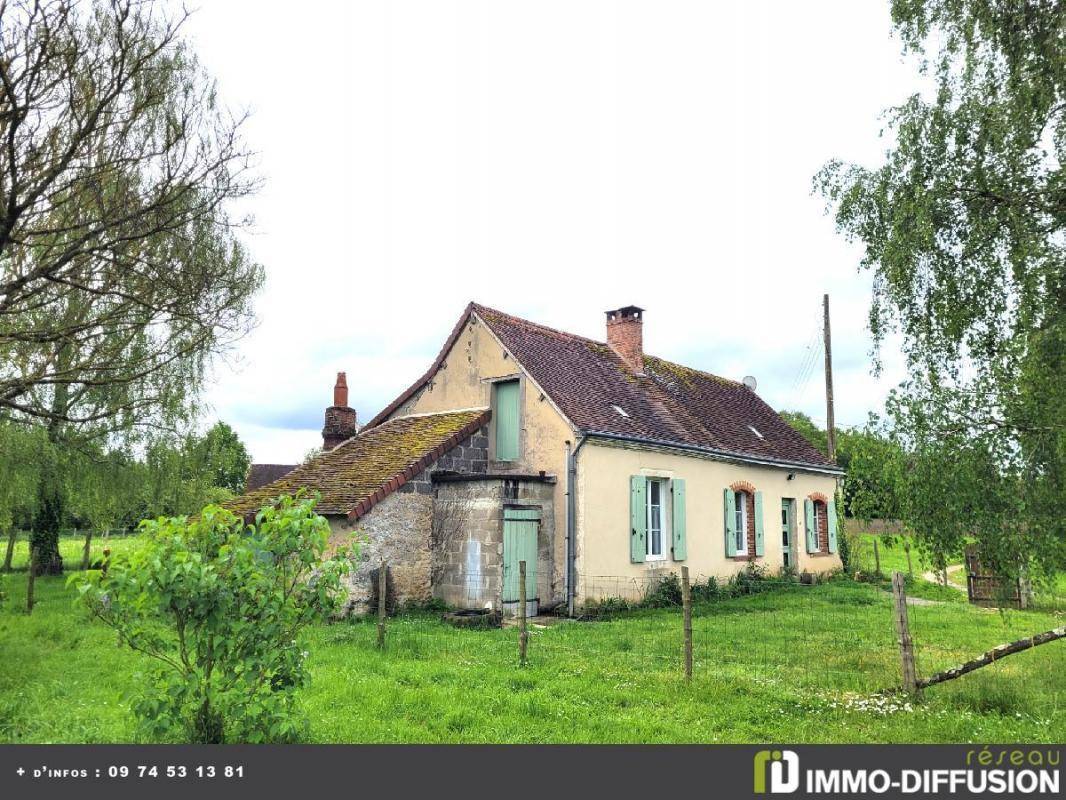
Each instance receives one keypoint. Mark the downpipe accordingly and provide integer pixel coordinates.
(571, 523)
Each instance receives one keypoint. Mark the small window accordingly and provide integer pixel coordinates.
(741, 501)
(506, 416)
(819, 526)
(658, 518)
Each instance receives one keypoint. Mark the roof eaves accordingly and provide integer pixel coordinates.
(719, 454)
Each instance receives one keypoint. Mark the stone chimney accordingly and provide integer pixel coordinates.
(340, 418)
(625, 335)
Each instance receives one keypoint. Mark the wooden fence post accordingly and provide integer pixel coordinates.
(686, 608)
(11, 536)
(907, 550)
(523, 634)
(906, 645)
(31, 578)
(877, 558)
(85, 554)
(382, 599)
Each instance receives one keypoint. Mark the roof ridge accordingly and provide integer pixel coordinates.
(529, 323)
(438, 413)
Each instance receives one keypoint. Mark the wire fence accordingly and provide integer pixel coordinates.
(633, 629)
(836, 636)
(833, 638)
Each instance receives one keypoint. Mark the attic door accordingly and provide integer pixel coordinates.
(520, 528)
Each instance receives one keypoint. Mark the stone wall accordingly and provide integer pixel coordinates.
(400, 529)
(397, 529)
(468, 533)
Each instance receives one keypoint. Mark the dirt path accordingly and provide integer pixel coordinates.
(932, 577)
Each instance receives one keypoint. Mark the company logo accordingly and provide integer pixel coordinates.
(784, 771)
(1025, 772)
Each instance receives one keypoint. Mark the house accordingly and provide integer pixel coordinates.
(600, 466)
(262, 474)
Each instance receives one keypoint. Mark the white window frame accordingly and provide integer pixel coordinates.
(817, 526)
(740, 500)
(664, 518)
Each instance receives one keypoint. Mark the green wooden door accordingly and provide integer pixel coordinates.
(520, 528)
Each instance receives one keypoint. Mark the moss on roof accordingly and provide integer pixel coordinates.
(365, 468)
(688, 375)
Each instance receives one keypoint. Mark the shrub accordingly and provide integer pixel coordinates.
(219, 605)
(843, 540)
(665, 593)
(711, 590)
(748, 580)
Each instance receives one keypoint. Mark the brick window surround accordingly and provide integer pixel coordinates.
(749, 502)
(821, 512)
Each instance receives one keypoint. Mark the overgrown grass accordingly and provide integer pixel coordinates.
(71, 547)
(797, 664)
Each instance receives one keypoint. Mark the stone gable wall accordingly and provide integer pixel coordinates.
(399, 529)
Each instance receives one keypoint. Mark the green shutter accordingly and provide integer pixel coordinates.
(507, 421)
(812, 536)
(638, 518)
(680, 544)
(831, 514)
(758, 524)
(730, 503)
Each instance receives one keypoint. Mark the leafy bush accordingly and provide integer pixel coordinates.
(219, 606)
(665, 593)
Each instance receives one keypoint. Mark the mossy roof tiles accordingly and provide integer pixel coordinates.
(365, 469)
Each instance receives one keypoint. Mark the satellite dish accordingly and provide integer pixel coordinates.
(750, 382)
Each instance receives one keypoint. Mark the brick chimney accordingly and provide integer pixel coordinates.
(340, 418)
(625, 335)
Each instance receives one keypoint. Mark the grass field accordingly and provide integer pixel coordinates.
(892, 552)
(797, 664)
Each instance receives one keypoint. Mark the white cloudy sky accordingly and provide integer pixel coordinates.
(552, 159)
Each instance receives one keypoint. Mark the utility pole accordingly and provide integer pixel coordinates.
(830, 423)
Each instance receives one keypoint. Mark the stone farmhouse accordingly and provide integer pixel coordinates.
(600, 466)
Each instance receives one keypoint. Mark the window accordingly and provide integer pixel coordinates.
(819, 526)
(506, 417)
(658, 517)
(741, 501)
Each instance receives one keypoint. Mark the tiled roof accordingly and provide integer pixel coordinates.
(365, 469)
(262, 474)
(669, 404)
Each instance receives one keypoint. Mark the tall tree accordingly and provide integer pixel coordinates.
(223, 458)
(963, 228)
(120, 267)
